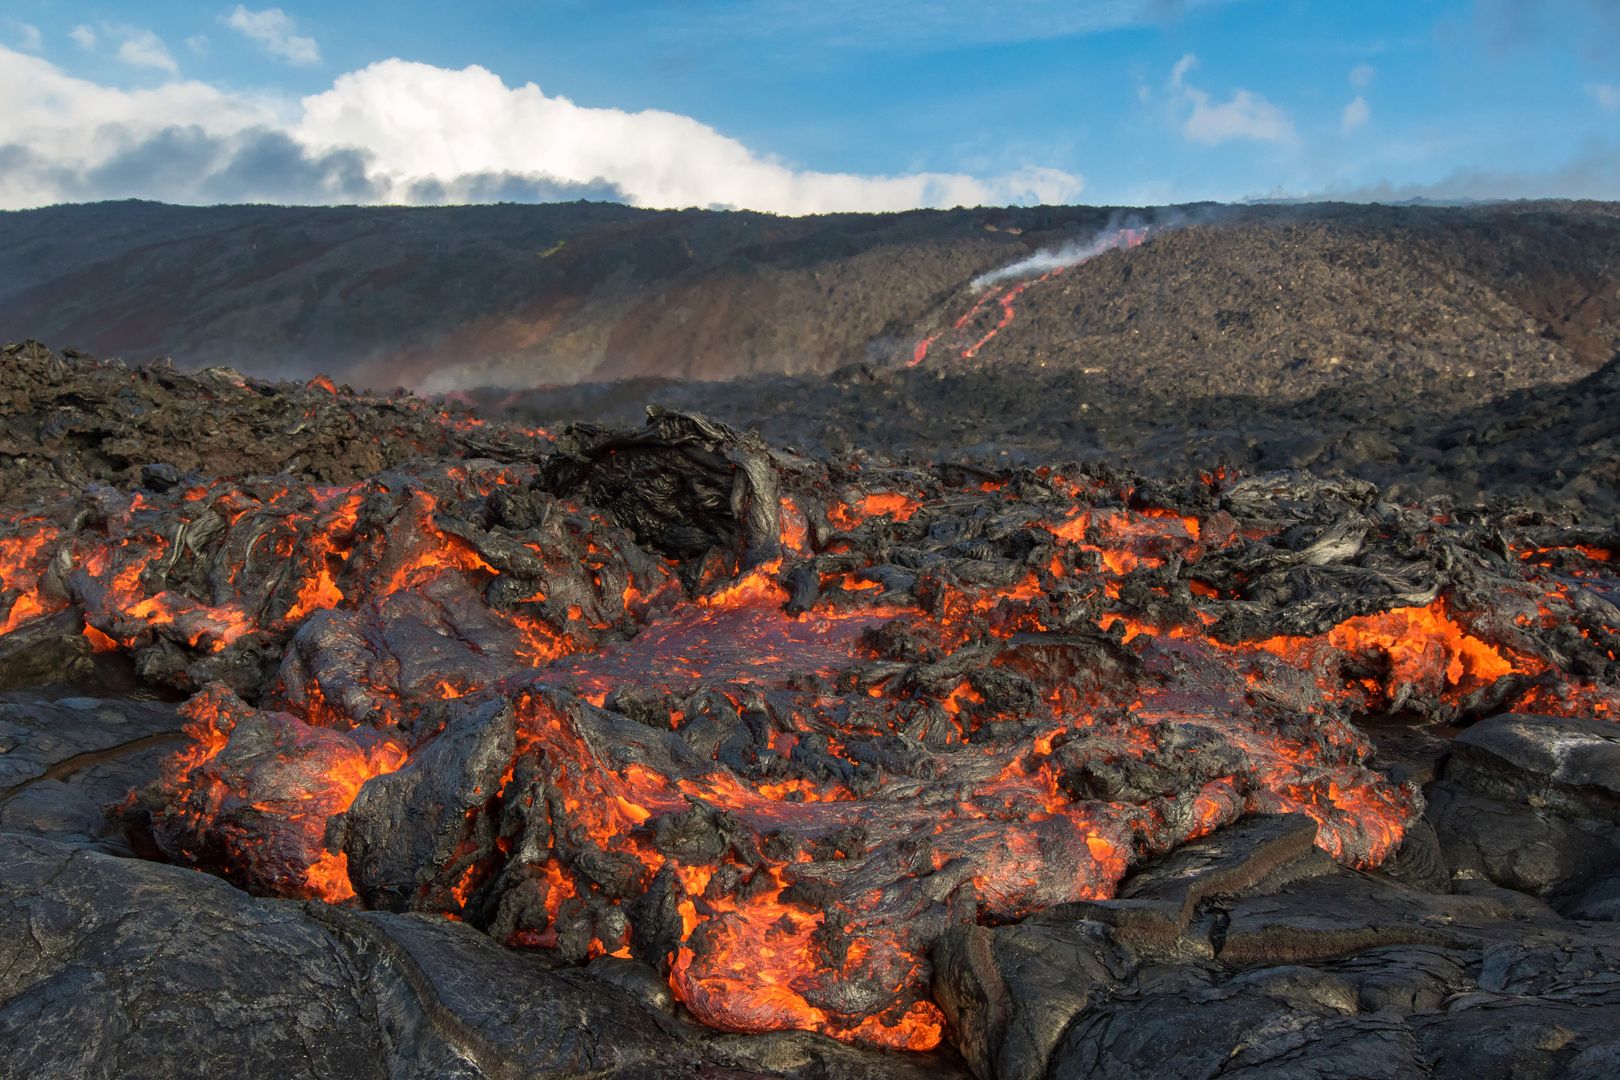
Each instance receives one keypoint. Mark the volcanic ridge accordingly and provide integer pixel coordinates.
(1278, 302)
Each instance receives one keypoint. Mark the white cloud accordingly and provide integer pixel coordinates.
(136, 46)
(1362, 75)
(1356, 115)
(407, 132)
(197, 43)
(273, 29)
(26, 35)
(1245, 115)
(421, 121)
(68, 126)
(1605, 95)
(145, 49)
(1178, 74)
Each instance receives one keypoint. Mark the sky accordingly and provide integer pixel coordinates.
(801, 106)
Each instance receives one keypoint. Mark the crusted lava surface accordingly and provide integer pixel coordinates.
(1024, 764)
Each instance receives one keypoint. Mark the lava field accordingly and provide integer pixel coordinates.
(664, 751)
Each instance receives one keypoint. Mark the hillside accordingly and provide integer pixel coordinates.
(512, 295)
(1269, 300)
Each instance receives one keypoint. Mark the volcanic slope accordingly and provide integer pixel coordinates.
(1284, 306)
(1284, 301)
(663, 751)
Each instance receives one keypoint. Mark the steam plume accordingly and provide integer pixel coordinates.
(1123, 233)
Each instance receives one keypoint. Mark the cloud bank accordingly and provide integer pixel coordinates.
(403, 132)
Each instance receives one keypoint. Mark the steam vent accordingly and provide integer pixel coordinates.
(355, 735)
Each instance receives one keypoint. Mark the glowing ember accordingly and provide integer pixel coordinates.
(1418, 644)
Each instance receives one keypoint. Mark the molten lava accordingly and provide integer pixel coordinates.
(23, 557)
(778, 769)
(971, 331)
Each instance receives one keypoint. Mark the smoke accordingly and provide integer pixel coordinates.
(1121, 232)
(1593, 173)
(497, 187)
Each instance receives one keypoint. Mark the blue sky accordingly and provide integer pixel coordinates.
(800, 106)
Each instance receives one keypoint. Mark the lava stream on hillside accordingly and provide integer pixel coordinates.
(772, 725)
(996, 306)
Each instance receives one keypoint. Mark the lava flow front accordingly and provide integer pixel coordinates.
(772, 726)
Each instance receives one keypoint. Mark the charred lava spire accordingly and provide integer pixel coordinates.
(683, 485)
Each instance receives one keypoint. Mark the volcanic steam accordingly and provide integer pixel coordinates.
(973, 329)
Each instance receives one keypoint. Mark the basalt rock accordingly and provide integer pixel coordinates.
(1569, 765)
(1528, 803)
(1330, 976)
(68, 420)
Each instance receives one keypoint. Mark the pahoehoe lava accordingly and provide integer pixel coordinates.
(666, 749)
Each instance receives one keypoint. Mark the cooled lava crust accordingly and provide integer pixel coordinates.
(774, 725)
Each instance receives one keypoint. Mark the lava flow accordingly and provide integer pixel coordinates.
(970, 332)
(771, 726)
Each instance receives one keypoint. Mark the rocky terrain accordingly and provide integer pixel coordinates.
(662, 749)
(1464, 352)
(1284, 302)
(1552, 446)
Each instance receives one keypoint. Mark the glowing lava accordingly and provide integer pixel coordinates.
(968, 333)
(777, 777)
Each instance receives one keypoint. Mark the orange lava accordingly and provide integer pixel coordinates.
(1419, 642)
(982, 740)
(889, 504)
(23, 559)
(1006, 300)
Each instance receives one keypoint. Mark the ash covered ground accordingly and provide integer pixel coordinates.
(661, 748)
